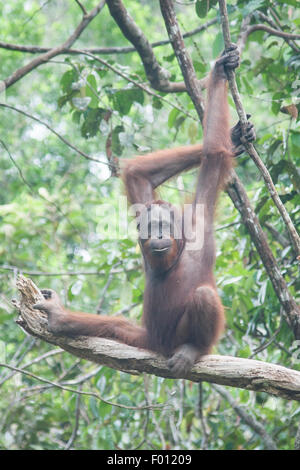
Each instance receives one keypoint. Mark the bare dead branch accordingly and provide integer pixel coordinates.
(21, 72)
(224, 370)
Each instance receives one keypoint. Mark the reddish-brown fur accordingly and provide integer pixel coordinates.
(183, 315)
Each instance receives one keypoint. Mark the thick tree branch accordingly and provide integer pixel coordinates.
(21, 72)
(224, 370)
(183, 58)
(157, 75)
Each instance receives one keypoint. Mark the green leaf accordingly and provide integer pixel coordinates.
(76, 116)
(116, 146)
(262, 64)
(264, 138)
(193, 132)
(252, 6)
(92, 119)
(123, 99)
(172, 117)
(295, 138)
(218, 45)
(169, 58)
(122, 102)
(101, 71)
(62, 100)
(67, 79)
(200, 67)
(179, 121)
(91, 91)
(276, 104)
(137, 95)
(202, 7)
(156, 103)
(94, 407)
(294, 3)
(104, 409)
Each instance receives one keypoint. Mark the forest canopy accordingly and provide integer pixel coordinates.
(83, 86)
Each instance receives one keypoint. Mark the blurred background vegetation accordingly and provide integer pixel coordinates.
(55, 229)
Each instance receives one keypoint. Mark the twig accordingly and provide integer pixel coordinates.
(251, 422)
(72, 390)
(17, 167)
(272, 31)
(34, 361)
(267, 343)
(34, 193)
(107, 284)
(102, 50)
(35, 12)
(21, 72)
(204, 440)
(82, 7)
(65, 141)
(76, 424)
(153, 416)
(55, 274)
(295, 239)
(270, 21)
(134, 82)
(281, 239)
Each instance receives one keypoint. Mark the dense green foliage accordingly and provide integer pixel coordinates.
(56, 210)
